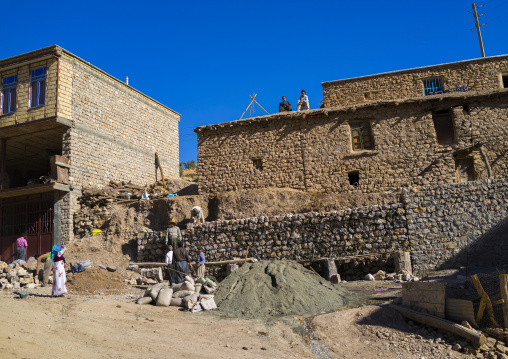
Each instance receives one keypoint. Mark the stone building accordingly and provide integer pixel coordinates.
(65, 125)
(429, 126)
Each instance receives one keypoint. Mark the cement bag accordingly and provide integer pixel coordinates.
(196, 308)
(206, 296)
(153, 290)
(182, 293)
(208, 304)
(210, 283)
(189, 279)
(190, 301)
(164, 297)
(145, 300)
(201, 280)
(208, 289)
(176, 302)
(198, 287)
(183, 286)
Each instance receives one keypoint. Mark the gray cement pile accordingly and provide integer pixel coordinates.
(265, 289)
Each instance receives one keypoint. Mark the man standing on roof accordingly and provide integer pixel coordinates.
(173, 234)
(284, 106)
(303, 102)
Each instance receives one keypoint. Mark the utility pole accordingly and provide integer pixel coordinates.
(478, 28)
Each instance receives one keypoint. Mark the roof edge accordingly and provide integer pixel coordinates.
(325, 111)
(416, 68)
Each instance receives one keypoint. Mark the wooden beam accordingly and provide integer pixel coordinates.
(503, 284)
(477, 338)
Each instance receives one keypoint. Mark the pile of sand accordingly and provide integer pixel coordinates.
(278, 288)
(95, 281)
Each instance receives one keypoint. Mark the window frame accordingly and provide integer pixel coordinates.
(362, 136)
(37, 79)
(430, 88)
(9, 88)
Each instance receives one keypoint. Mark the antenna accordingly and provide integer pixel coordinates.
(251, 105)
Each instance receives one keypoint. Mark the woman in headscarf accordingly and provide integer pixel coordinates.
(59, 279)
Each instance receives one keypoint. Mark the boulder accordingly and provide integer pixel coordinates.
(380, 275)
(164, 297)
(335, 279)
(369, 277)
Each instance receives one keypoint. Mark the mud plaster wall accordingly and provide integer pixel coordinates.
(476, 75)
(435, 223)
(312, 152)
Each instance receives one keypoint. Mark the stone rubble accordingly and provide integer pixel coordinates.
(18, 275)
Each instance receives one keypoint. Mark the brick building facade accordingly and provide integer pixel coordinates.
(455, 131)
(75, 126)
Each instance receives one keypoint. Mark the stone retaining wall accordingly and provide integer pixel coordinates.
(435, 223)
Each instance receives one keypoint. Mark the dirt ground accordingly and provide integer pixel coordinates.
(113, 326)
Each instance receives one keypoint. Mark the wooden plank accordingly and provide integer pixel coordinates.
(477, 338)
(344, 258)
(485, 302)
(503, 284)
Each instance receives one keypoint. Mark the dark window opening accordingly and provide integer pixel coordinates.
(354, 178)
(361, 135)
(443, 124)
(433, 86)
(258, 163)
(505, 81)
(464, 169)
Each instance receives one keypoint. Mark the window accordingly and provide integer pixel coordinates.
(258, 163)
(9, 94)
(433, 86)
(505, 80)
(361, 137)
(464, 169)
(354, 178)
(38, 88)
(443, 124)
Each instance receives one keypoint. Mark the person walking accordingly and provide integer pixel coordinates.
(182, 262)
(200, 263)
(59, 278)
(21, 246)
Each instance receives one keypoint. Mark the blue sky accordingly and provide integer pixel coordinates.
(204, 58)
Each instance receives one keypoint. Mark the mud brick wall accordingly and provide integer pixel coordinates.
(476, 75)
(116, 130)
(312, 151)
(443, 221)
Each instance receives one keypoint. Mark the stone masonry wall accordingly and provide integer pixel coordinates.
(476, 75)
(442, 221)
(434, 223)
(312, 151)
(116, 131)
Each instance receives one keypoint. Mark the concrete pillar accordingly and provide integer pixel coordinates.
(403, 262)
(329, 269)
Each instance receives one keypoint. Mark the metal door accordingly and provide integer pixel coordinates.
(32, 214)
